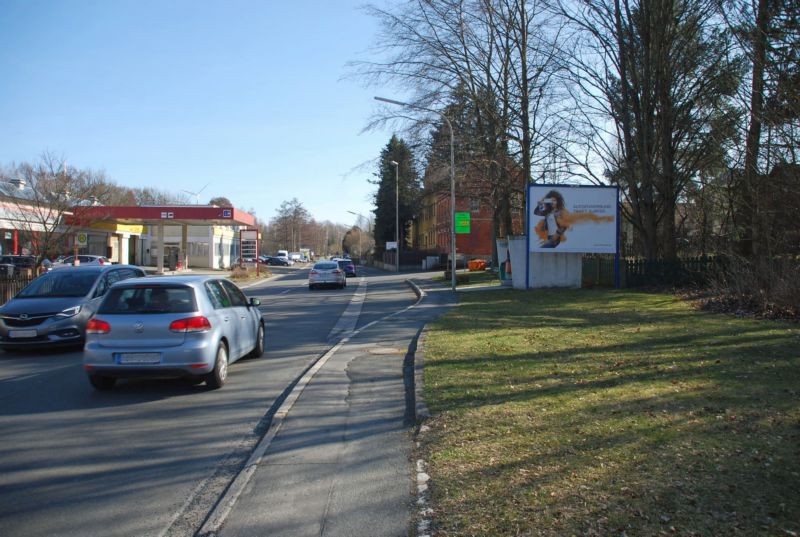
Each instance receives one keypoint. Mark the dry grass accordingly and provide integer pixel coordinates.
(244, 274)
(611, 413)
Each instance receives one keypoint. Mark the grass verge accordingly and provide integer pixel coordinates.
(583, 412)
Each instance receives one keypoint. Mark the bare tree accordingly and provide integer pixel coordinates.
(45, 201)
(653, 82)
(487, 65)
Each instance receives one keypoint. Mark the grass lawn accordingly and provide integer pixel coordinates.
(597, 412)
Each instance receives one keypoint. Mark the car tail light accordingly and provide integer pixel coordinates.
(313, 272)
(190, 324)
(97, 326)
(337, 271)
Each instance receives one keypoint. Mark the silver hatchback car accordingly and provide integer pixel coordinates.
(175, 326)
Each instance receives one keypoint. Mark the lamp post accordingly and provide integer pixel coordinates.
(396, 210)
(452, 184)
(361, 232)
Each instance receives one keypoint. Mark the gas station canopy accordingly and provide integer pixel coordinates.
(191, 215)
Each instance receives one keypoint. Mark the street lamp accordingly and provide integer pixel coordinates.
(397, 210)
(452, 183)
(360, 234)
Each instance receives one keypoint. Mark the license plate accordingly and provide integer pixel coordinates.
(22, 333)
(140, 358)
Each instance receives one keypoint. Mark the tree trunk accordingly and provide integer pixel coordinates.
(752, 231)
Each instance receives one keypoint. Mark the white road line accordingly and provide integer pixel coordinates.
(347, 321)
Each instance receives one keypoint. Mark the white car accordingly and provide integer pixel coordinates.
(326, 273)
(83, 260)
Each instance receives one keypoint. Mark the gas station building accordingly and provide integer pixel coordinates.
(176, 237)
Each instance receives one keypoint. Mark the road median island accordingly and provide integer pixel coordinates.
(592, 412)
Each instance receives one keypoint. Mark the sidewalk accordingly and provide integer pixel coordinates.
(339, 461)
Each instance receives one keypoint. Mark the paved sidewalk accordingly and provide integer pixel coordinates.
(340, 463)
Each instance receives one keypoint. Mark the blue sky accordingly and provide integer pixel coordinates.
(245, 96)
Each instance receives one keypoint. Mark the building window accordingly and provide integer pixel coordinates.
(198, 249)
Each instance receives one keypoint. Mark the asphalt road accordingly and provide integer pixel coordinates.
(151, 458)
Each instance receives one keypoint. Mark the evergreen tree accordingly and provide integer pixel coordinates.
(407, 183)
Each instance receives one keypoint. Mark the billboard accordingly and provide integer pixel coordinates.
(574, 219)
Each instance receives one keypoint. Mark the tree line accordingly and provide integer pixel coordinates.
(690, 107)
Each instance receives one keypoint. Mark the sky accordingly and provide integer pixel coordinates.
(242, 99)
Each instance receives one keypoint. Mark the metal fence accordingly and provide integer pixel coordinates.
(599, 271)
(11, 285)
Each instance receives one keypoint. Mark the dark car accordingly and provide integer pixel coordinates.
(278, 261)
(347, 266)
(54, 308)
(11, 265)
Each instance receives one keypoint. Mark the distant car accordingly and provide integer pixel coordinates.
(175, 326)
(11, 265)
(326, 273)
(82, 260)
(347, 266)
(55, 307)
(278, 261)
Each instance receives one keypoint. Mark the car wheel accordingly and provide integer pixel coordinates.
(102, 382)
(216, 379)
(310, 287)
(258, 350)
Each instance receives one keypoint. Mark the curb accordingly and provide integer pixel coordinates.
(424, 513)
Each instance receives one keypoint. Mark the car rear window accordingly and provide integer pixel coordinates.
(326, 266)
(149, 299)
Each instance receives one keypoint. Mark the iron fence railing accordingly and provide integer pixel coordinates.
(11, 285)
(599, 271)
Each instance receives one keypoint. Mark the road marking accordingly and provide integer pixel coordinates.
(347, 320)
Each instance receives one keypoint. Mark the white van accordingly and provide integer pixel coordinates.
(283, 253)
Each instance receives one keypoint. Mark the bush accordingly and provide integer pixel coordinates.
(247, 273)
(766, 287)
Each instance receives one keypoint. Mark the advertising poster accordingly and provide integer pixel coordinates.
(573, 219)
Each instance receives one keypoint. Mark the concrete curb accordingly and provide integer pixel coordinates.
(422, 414)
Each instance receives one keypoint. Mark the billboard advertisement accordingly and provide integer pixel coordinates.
(574, 219)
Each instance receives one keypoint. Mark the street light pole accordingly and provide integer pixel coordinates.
(452, 184)
(361, 232)
(396, 210)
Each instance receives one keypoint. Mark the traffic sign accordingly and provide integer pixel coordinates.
(462, 222)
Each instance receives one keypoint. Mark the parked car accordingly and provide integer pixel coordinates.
(326, 273)
(175, 326)
(11, 265)
(278, 261)
(82, 260)
(54, 308)
(347, 266)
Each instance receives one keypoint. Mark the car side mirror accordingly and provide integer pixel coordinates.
(255, 301)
